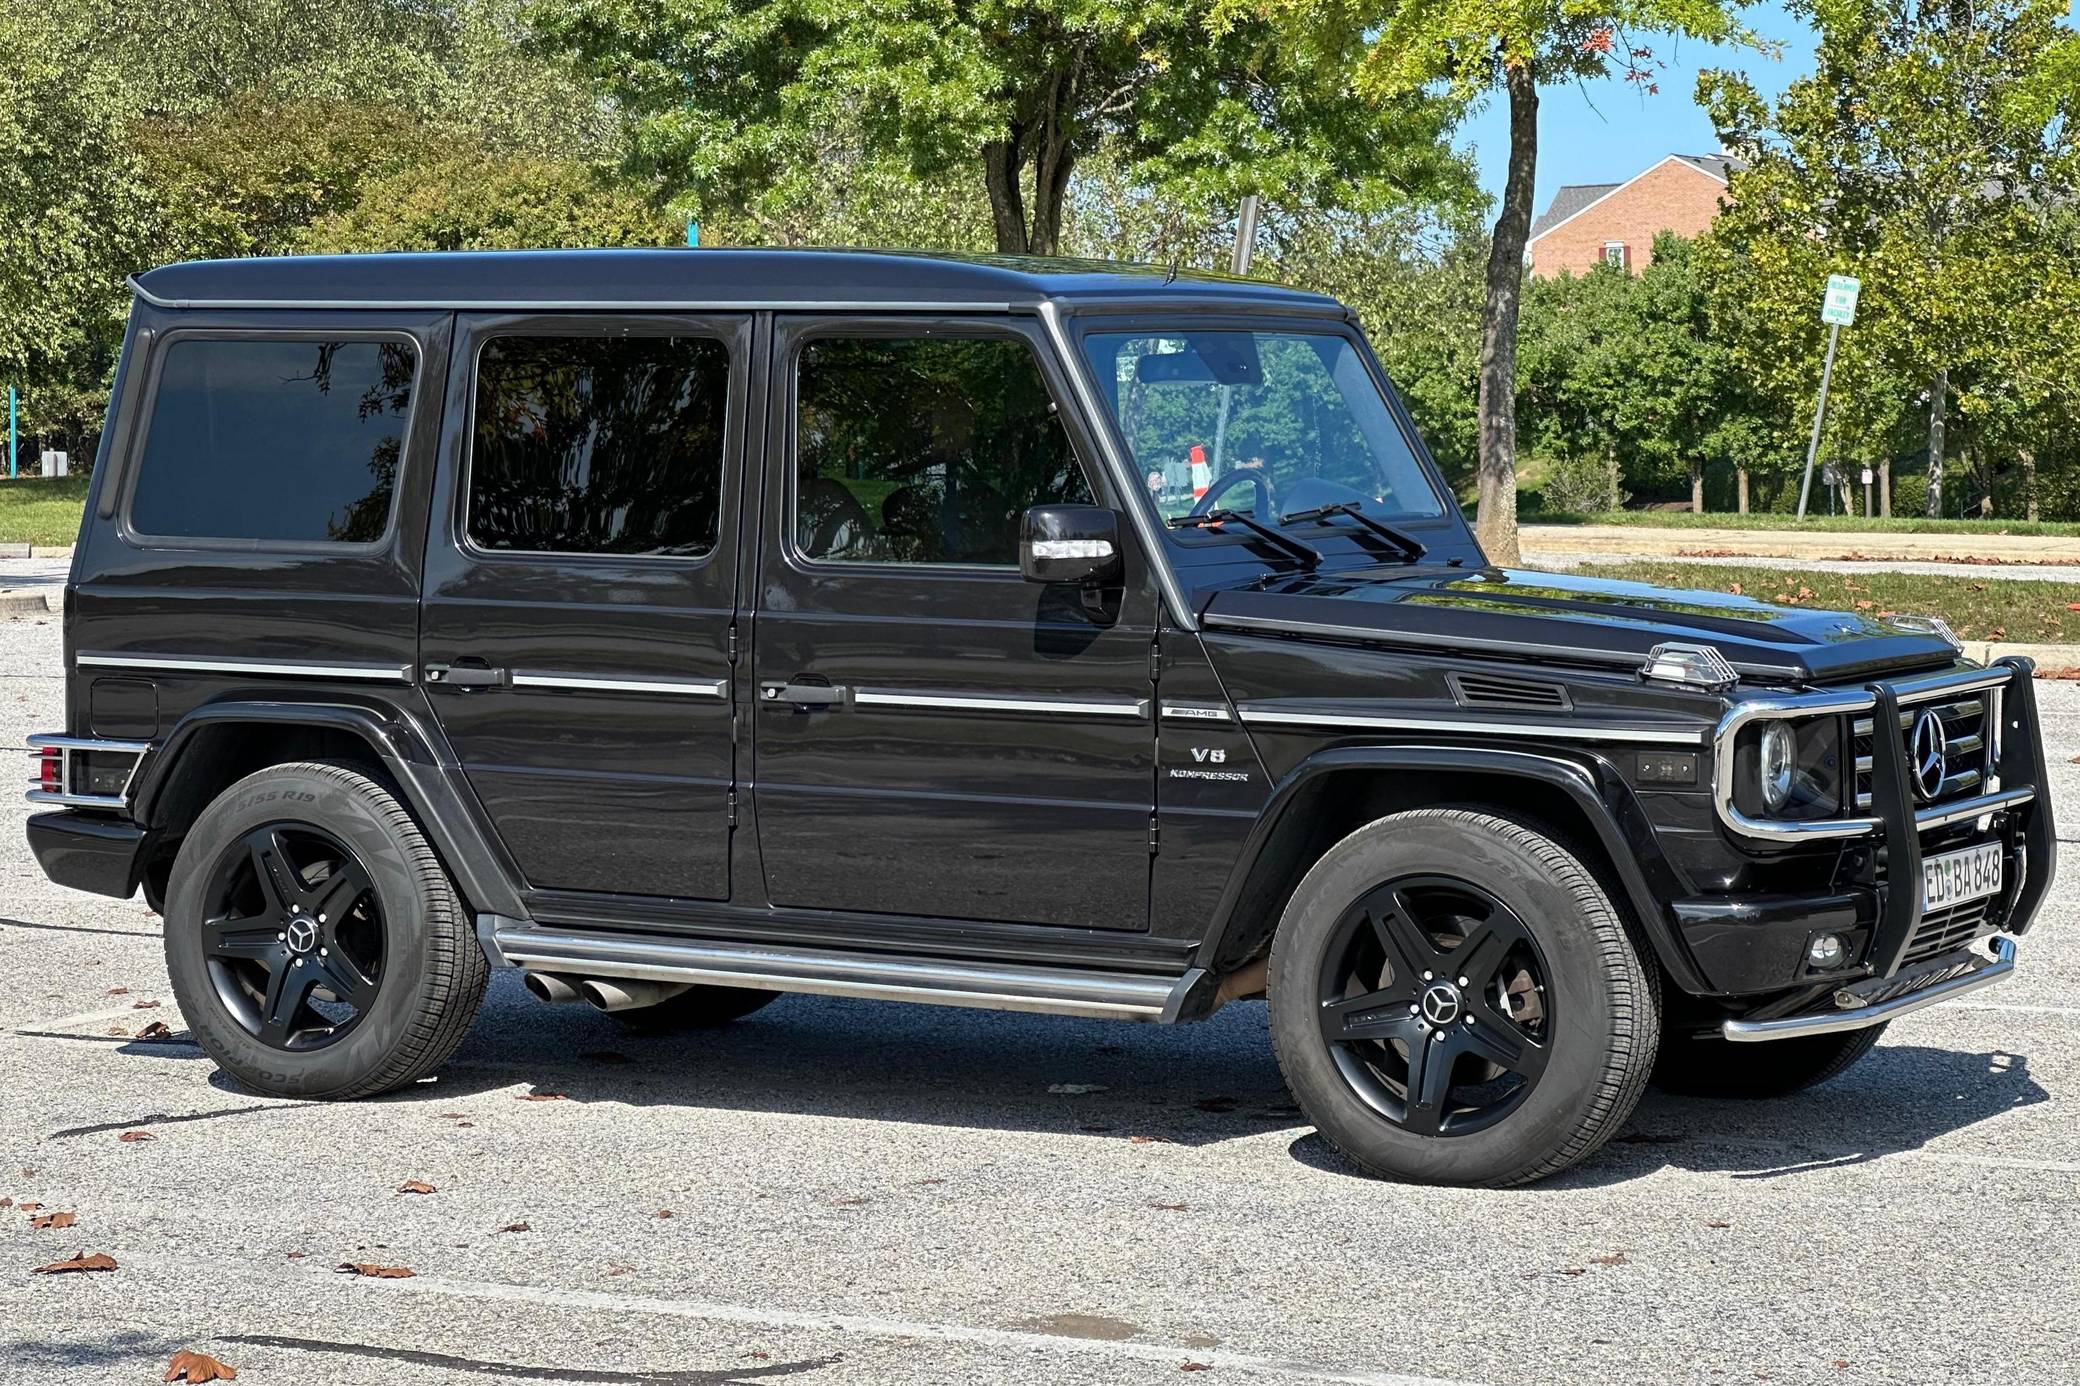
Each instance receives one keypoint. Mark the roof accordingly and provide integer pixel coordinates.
(1572, 199)
(722, 278)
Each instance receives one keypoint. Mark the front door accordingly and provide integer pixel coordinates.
(580, 589)
(934, 735)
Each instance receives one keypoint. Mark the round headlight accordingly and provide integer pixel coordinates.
(1779, 764)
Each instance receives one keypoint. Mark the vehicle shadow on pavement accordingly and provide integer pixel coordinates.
(1899, 1099)
(887, 1061)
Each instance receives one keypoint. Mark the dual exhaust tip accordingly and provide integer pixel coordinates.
(601, 993)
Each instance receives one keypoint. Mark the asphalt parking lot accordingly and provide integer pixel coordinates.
(846, 1191)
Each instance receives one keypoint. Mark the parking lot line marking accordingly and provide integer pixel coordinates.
(126, 1010)
(2017, 1010)
(551, 1298)
(1933, 1157)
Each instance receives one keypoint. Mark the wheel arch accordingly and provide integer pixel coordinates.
(215, 745)
(1332, 793)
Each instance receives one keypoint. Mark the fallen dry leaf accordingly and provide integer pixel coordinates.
(541, 1097)
(1720, 1225)
(192, 1366)
(852, 1202)
(664, 1212)
(516, 1227)
(119, 991)
(1148, 1140)
(92, 1261)
(375, 1272)
(1735, 589)
(1172, 1207)
(298, 1255)
(31, 1207)
(931, 1181)
(133, 1137)
(52, 1221)
(157, 1030)
(415, 1186)
(9, 1203)
(1195, 1366)
(1616, 1258)
(144, 1005)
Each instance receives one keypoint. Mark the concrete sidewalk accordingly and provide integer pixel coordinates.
(1991, 549)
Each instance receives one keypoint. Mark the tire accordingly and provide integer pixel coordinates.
(1707, 1066)
(392, 995)
(696, 1008)
(1570, 1002)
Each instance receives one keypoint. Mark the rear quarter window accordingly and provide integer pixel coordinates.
(274, 440)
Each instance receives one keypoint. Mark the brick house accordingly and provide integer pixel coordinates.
(1590, 223)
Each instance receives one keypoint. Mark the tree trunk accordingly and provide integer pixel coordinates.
(1938, 396)
(1000, 170)
(1697, 486)
(1613, 490)
(1979, 462)
(1050, 191)
(1885, 488)
(1496, 518)
(1740, 490)
(2028, 458)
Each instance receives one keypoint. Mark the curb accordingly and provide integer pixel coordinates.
(14, 551)
(2053, 661)
(24, 604)
(50, 551)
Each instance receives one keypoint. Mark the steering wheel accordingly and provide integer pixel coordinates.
(1266, 506)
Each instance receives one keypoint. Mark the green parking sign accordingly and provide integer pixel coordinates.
(1838, 308)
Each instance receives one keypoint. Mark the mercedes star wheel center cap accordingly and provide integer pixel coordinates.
(1441, 1003)
(303, 934)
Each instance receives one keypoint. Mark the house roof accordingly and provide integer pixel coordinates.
(740, 278)
(1572, 199)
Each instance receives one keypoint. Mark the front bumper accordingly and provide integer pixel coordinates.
(1877, 1013)
(91, 852)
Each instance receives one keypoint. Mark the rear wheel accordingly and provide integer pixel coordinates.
(315, 945)
(1708, 1066)
(1455, 1000)
(696, 1008)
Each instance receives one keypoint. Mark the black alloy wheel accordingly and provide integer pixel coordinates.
(293, 936)
(1435, 1005)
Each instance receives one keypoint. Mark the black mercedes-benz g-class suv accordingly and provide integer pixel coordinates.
(687, 627)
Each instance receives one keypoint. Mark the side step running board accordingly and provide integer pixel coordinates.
(988, 985)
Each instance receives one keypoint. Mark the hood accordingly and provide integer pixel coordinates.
(1572, 618)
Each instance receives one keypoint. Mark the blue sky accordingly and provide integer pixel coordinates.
(1607, 131)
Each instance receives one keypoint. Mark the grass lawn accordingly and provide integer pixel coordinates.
(1683, 519)
(39, 511)
(1976, 608)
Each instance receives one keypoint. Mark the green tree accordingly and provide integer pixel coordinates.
(477, 201)
(1468, 49)
(739, 98)
(1930, 155)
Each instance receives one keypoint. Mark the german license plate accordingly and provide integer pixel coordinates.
(1955, 877)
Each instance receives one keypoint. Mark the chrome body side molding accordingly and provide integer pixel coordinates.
(680, 688)
(1257, 714)
(887, 977)
(287, 668)
(989, 702)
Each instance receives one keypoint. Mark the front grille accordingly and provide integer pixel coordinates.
(1945, 929)
(1966, 763)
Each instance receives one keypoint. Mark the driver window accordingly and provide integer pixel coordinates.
(924, 449)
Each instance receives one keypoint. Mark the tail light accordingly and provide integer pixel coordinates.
(50, 770)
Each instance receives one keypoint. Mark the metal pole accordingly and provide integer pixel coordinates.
(1834, 334)
(10, 433)
(1245, 236)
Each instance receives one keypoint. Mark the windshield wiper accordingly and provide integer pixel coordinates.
(1292, 548)
(1411, 548)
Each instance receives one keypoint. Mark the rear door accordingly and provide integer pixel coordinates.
(577, 625)
(936, 736)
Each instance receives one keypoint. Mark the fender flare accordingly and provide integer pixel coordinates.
(414, 759)
(1605, 800)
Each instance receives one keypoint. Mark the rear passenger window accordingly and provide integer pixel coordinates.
(924, 449)
(599, 445)
(272, 440)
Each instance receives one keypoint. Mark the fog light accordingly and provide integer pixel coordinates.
(1827, 951)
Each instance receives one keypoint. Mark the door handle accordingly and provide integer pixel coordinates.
(460, 675)
(803, 695)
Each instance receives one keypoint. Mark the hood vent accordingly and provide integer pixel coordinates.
(1488, 690)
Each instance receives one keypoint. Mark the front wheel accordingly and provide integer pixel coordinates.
(315, 945)
(1456, 1000)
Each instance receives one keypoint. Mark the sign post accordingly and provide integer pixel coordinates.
(12, 441)
(1837, 310)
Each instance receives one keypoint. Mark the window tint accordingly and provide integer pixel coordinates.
(274, 440)
(607, 445)
(924, 450)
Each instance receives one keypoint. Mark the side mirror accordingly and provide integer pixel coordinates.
(1071, 543)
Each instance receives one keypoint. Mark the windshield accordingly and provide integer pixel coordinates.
(1265, 423)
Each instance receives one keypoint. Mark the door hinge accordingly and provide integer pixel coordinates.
(1155, 660)
(1155, 835)
(732, 643)
(733, 808)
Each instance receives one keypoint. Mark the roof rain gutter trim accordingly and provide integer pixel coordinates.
(587, 305)
(1275, 625)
